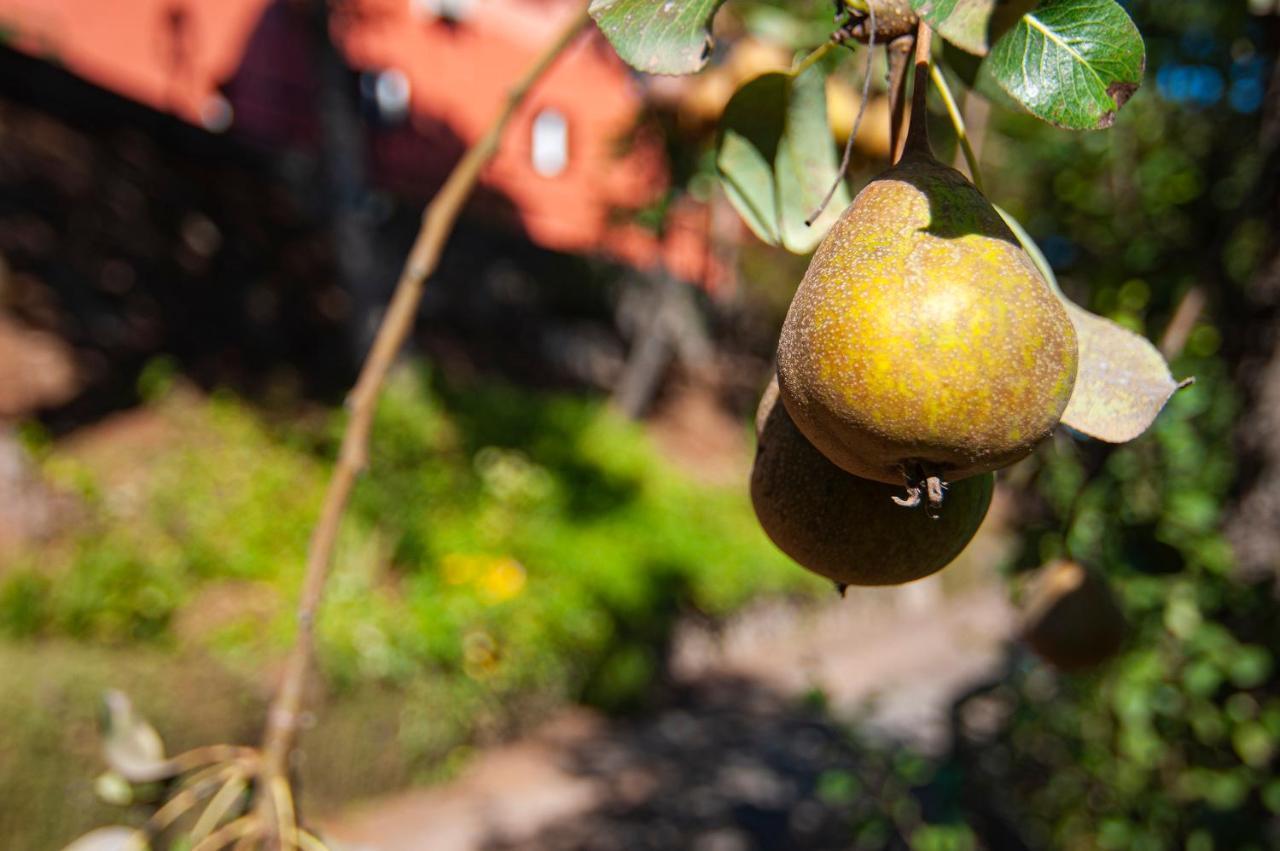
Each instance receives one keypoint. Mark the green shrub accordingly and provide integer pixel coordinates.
(503, 543)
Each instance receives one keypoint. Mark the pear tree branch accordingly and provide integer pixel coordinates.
(437, 224)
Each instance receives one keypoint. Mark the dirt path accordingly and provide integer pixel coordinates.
(734, 761)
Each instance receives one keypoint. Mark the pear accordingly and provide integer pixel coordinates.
(1070, 618)
(922, 341)
(893, 18)
(846, 528)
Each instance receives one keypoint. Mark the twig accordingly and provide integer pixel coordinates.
(222, 837)
(209, 754)
(898, 53)
(219, 806)
(437, 224)
(286, 824)
(199, 789)
(853, 133)
(1184, 320)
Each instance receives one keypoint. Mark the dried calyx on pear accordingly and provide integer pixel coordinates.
(847, 528)
(923, 346)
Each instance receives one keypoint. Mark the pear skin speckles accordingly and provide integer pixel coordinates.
(923, 333)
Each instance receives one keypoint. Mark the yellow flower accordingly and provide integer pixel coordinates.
(504, 579)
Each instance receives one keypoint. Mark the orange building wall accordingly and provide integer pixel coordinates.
(178, 55)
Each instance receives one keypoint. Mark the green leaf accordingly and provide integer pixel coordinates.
(1073, 63)
(658, 36)
(777, 159)
(972, 25)
(1122, 382)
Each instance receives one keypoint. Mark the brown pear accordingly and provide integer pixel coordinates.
(922, 340)
(846, 528)
(1070, 618)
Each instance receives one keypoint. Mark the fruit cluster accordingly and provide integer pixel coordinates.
(923, 350)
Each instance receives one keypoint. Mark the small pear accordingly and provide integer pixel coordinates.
(1070, 618)
(893, 18)
(922, 340)
(846, 528)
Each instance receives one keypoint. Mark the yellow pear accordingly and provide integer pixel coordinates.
(843, 103)
(922, 341)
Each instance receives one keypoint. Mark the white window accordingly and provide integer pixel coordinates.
(450, 10)
(550, 152)
(391, 91)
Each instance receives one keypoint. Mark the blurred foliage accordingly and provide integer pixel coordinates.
(505, 540)
(507, 551)
(1174, 743)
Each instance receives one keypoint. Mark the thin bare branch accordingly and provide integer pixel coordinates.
(1184, 320)
(195, 790)
(437, 224)
(853, 132)
(219, 807)
(241, 828)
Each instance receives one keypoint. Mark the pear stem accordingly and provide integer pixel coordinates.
(918, 131)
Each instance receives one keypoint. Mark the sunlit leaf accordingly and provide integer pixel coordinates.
(1073, 63)
(110, 839)
(777, 158)
(131, 746)
(658, 36)
(1122, 382)
(972, 25)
